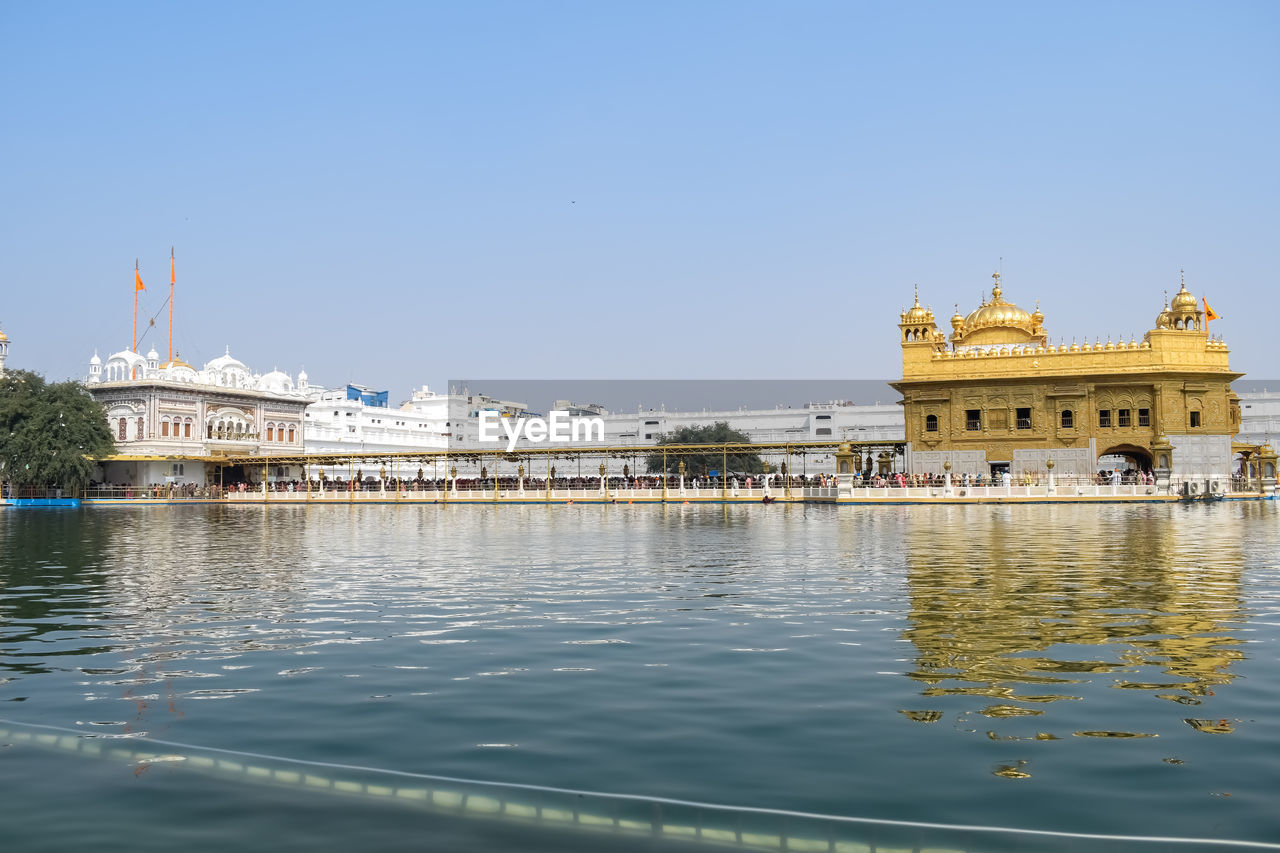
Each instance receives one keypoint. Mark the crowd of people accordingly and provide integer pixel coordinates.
(192, 491)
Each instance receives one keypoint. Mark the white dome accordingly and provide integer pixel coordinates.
(302, 376)
(276, 381)
(153, 355)
(95, 361)
(127, 356)
(224, 361)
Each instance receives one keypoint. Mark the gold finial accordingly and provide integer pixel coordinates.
(996, 291)
(917, 288)
(1183, 273)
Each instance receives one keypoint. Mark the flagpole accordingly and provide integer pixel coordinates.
(172, 276)
(136, 276)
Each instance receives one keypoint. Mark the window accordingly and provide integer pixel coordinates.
(140, 430)
(1144, 417)
(648, 435)
(1195, 419)
(972, 419)
(1122, 418)
(930, 423)
(291, 435)
(822, 431)
(123, 427)
(650, 423)
(1024, 418)
(271, 433)
(824, 417)
(1068, 419)
(1104, 417)
(164, 428)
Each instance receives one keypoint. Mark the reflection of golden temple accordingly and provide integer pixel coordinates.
(997, 395)
(1122, 601)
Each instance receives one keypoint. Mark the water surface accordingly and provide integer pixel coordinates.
(1096, 669)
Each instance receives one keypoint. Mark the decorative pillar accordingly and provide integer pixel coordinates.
(1052, 488)
(1267, 461)
(846, 469)
(947, 491)
(604, 488)
(1162, 456)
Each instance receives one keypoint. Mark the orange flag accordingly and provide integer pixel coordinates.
(172, 274)
(137, 282)
(1209, 313)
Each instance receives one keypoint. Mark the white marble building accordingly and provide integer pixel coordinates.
(337, 423)
(166, 416)
(1259, 417)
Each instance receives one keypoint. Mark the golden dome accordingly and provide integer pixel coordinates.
(1183, 301)
(177, 362)
(957, 320)
(917, 314)
(998, 313)
(3, 336)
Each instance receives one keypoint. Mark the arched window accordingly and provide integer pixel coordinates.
(164, 428)
(122, 428)
(271, 432)
(291, 435)
(930, 423)
(186, 429)
(1068, 419)
(140, 430)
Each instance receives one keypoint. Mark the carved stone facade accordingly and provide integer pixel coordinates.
(997, 396)
(166, 430)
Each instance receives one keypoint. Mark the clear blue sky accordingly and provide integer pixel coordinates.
(399, 193)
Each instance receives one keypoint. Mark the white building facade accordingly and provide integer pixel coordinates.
(169, 418)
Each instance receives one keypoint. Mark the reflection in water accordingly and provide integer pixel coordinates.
(1104, 597)
(748, 655)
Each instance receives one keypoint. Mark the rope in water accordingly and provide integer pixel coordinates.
(473, 805)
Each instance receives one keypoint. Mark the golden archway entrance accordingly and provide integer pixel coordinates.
(1140, 457)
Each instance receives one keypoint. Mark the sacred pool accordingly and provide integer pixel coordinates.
(641, 677)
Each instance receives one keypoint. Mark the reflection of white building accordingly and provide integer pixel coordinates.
(162, 415)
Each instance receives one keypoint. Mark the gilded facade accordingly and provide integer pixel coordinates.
(996, 395)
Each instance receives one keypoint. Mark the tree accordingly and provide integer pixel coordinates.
(50, 433)
(702, 463)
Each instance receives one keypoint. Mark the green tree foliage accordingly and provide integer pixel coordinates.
(50, 433)
(699, 464)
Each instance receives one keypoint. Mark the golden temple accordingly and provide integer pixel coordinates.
(996, 396)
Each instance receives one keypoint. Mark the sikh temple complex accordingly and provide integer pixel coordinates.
(994, 395)
(990, 400)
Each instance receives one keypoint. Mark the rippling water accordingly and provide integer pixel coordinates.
(1096, 669)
